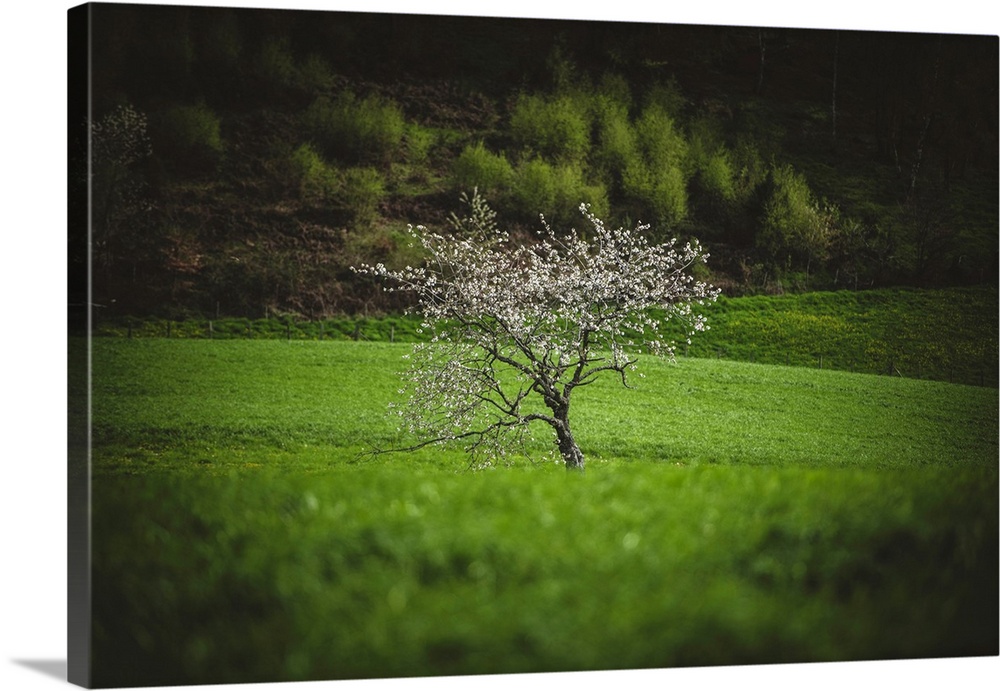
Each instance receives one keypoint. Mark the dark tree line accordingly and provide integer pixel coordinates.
(895, 134)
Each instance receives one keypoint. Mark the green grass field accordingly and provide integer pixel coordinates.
(946, 335)
(731, 513)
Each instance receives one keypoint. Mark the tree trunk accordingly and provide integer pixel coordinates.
(570, 452)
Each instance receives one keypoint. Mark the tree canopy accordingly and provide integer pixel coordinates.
(518, 323)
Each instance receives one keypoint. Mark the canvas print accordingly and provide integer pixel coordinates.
(405, 345)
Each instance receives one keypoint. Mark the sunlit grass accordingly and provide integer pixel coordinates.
(946, 335)
(170, 405)
(731, 513)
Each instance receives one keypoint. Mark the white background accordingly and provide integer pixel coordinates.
(32, 338)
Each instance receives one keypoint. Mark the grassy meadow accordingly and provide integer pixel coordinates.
(944, 334)
(731, 513)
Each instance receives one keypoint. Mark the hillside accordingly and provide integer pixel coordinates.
(245, 159)
(732, 513)
(942, 334)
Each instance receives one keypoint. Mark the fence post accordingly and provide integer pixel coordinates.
(210, 330)
(168, 329)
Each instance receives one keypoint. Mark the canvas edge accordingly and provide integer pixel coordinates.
(79, 630)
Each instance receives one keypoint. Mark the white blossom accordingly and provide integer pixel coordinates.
(518, 324)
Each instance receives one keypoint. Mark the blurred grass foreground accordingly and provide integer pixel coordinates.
(732, 513)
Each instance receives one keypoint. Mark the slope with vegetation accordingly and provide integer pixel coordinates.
(246, 159)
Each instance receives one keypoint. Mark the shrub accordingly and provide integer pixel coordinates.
(716, 176)
(660, 140)
(418, 142)
(556, 191)
(191, 137)
(710, 165)
(363, 190)
(662, 192)
(713, 201)
(556, 128)
(363, 130)
(477, 167)
(572, 189)
(617, 145)
(315, 180)
(314, 74)
(534, 189)
(656, 177)
(794, 228)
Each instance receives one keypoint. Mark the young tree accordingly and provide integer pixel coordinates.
(518, 328)
(119, 143)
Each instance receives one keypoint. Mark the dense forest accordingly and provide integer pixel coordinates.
(241, 161)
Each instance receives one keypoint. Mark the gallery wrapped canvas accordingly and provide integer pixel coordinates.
(336, 277)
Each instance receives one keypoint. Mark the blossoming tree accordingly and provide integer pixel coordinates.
(518, 328)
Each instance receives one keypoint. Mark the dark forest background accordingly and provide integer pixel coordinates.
(243, 160)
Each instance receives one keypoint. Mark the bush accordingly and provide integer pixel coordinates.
(363, 191)
(418, 142)
(314, 74)
(368, 130)
(477, 167)
(656, 177)
(716, 176)
(710, 165)
(660, 140)
(534, 189)
(191, 137)
(662, 192)
(558, 128)
(617, 145)
(714, 209)
(556, 191)
(315, 180)
(794, 229)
